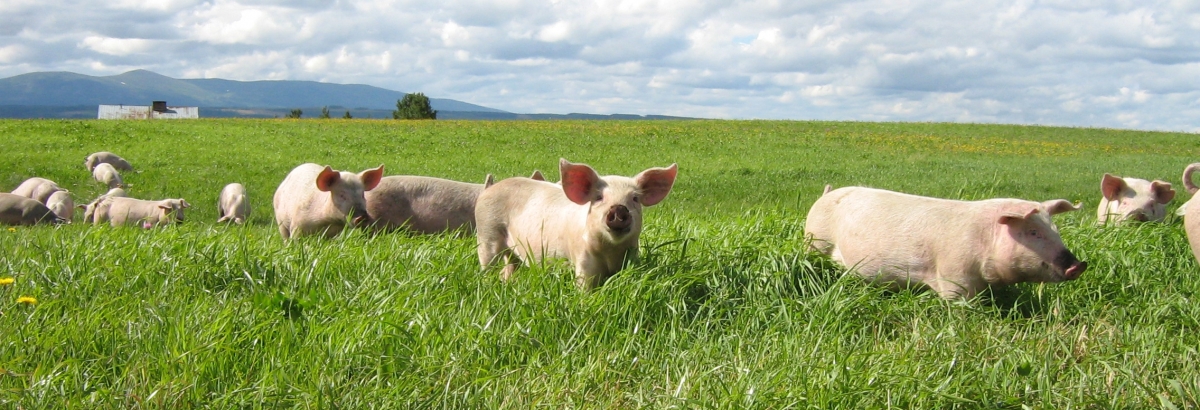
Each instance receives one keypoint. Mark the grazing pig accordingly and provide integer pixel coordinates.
(315, 199)
(107, 175)
(1132, 199)
(119, 211)
(62, 204)
(19, 210)
(592, 221)
(38, 189)
(105, 157)
(232, 205)
(956, 248)
(423, 204)
(89, 210)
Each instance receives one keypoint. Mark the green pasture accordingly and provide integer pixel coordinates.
(726, 308)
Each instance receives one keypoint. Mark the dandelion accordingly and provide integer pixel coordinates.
(11, 229)
(6, 281)
(28, 300)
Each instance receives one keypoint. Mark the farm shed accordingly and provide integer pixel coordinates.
(158, 110)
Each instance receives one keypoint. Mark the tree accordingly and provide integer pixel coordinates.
(414, 106)
(296, 113)
(347, 116)
(325, 112)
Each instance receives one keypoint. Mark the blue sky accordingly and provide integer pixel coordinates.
(1118, 64)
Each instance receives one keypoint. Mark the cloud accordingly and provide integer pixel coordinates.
(1117, 63)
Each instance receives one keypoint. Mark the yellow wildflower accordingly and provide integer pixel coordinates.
(11, 229)
(6, 281)
(28, 300)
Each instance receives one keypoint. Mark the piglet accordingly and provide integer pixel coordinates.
(105, 157)
(232, 204)
(104, 173)
(1132, 199)
(118, 211)
(19, 210)
(89, 210)
(315, 199)
(592, 221)
(62, 204)
(38, 189)
(955, 248)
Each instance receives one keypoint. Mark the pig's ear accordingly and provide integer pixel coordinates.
(537, 176)
(327, 178)
(1058, 206)
(655, 183)
(1162, 191)
(489, 180)
(579, 181)
(1017, 213)
(184, 204)
(164, 204)
(371, 177)
(1111, 187)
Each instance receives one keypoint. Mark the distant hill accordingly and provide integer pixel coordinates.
(140, 87)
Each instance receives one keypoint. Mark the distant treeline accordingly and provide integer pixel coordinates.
(90, 111)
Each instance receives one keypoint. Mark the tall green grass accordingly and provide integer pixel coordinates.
(725, 309)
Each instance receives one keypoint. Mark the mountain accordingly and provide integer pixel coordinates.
(140, 87)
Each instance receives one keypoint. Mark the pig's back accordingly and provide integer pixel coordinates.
(424, 204)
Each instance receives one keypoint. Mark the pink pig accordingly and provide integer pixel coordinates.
(592, 221)
(1132, 199)
(315, 199)
(956, 248)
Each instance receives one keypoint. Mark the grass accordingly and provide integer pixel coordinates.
(726, 309)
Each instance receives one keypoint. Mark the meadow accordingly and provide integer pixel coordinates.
(726, 308)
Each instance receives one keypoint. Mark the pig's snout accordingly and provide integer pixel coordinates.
(361, 220)
(1139, 216)
(618, 219)
(1071, 267)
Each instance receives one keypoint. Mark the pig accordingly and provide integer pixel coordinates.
(315, 199)
(89, 210)
(424, 204)
(38, 189)
(592, 221)
(233, 205)
(118, 211)
(1191, 212)
(61, 203)
(105, 157)
(1132, 199)
(106, 174)
(19, 210)
(955, 248)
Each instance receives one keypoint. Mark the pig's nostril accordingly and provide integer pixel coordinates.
(618, 218)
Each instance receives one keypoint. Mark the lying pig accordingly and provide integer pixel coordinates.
(89, 210)
(423, 204)
(105, 157)
(315, 199)
(1132, 199)
(956, 248)
(232, 205)
(592, 221)
(61, 203)
(107, 175)
(38, 189)
(1191, 210)
(19, 210)
(119, 211)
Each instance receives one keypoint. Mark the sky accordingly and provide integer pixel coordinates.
(1113, 64)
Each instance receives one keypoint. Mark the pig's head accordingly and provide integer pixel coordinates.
(615, 202)
(1028, 247)
(172, 210)
(1135, 199)
(346, 191)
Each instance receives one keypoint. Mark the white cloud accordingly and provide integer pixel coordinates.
(1115, 64)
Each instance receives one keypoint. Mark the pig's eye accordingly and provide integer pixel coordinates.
(1033, 233)
(637, 199)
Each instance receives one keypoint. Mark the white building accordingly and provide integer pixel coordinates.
(159, 110)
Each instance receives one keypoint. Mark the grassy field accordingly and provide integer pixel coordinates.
(726, 309)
